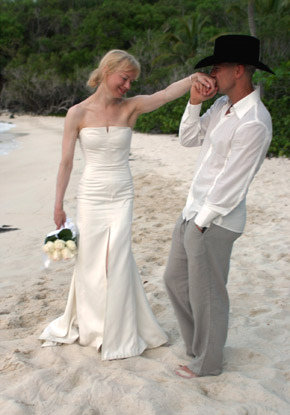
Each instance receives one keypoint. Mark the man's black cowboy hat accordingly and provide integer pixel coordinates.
(235, 48)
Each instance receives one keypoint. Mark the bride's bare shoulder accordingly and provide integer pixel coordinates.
(77, 110)
(76, 113)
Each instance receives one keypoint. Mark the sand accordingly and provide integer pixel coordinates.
(72, 380)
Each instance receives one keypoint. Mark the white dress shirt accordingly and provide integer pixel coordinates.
(233, 149)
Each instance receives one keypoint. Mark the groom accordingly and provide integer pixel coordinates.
(234, 135)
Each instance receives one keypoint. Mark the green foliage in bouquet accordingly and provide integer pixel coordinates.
(65, 235)
(51, 238)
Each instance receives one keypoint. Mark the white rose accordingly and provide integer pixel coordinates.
(48, 247)
(71, 245)
(56, 256)
(59, 244)
(66, 253)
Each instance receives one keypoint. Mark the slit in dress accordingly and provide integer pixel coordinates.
(107, 253)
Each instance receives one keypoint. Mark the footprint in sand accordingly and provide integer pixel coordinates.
(137, 239)
(40, 296)
(159, 295)
(158, 308)
(257, 311)
(4, 312)
(15, 322)
(151, 258)
(11, 363)
(269, 332)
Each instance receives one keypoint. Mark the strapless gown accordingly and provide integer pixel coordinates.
(107, 307)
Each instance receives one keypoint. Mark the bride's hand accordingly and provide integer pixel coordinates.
(203, 87)
(59, 217)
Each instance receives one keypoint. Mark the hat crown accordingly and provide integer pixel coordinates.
(242, 49)
(237, 48)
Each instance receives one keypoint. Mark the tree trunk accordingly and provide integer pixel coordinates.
(253, 31)
(251, 19)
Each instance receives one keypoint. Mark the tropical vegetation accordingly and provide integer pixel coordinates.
(49, 47)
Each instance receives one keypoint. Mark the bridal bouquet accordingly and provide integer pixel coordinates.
(60, 244)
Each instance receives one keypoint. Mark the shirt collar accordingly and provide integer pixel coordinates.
(244, 104)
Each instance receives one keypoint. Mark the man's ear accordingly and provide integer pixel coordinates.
(239, 70)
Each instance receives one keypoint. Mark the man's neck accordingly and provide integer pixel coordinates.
(239, 93)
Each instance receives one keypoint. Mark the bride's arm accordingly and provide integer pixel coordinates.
(147, 103)
(70, 135)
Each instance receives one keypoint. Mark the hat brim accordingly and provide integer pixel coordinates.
(213, 60)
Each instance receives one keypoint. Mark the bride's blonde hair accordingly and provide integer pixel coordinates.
(115, 59)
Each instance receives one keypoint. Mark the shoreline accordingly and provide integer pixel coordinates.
(8, 140)
(73, 379)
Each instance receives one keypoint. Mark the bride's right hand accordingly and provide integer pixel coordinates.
(59, 217)
(203, 87)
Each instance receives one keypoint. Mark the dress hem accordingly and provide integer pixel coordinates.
(137, 352)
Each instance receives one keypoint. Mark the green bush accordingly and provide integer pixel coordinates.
(279, 110)
(36, 87)
(166, 119)
(275, 95)
(49, 47)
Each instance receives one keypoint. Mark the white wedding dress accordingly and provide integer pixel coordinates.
(107, 307)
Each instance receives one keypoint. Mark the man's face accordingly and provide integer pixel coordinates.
(223, 73)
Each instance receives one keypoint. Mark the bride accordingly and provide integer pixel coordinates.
(107, 307)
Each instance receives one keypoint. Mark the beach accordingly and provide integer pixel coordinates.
(72, 380)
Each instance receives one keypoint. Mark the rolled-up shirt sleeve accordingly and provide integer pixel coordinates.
(249, 145)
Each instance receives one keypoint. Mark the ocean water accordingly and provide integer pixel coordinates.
(8, 141)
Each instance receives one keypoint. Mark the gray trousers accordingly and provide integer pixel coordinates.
(195, 278)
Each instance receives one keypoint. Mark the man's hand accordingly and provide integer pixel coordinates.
(203, 88)
(202, 230)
